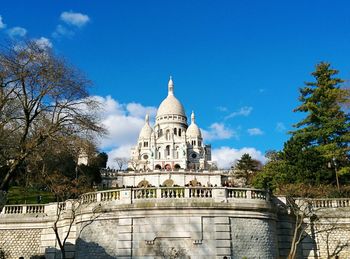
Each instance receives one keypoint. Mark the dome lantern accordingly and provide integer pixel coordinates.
(193, 130)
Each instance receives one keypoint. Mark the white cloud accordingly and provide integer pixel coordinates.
(255, 132)
(218, 131)
(122, 121)
(110, 106)
(17, 32)
(61, 31)
(2, 24)
(222, 108)
(243, 111)
(226, 156)
(280, 127)
(44, 43)
(137, 110)
(122, 152)
(75, 19)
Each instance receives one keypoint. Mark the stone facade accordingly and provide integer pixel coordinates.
(112, 179)
(21, 242)
(260, 232)
(171, 143)
(190, 222)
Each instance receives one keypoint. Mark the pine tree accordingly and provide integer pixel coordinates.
(246, 166)
(325, 129)
(318, 150)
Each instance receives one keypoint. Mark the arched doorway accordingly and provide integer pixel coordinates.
(158, 167)
(168, 183)
(143, 184)
(177, 167)
(167, 167)
(194, 183)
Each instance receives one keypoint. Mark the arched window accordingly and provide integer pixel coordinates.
(145, 144)
(167, 135)
(180, 132)
(167, 151)
(175, 131)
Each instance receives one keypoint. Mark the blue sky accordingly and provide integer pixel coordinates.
(237, 64)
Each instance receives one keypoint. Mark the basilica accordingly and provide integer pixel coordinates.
(171, 144)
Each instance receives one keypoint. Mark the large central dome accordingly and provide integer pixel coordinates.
(171, 105)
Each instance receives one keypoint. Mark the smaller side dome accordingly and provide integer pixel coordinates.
(146, 131)
(193, 130)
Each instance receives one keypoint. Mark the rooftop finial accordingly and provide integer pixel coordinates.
(192, 117)
(147, 118)
(170, 86)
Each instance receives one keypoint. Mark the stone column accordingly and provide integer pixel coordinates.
(222, 237)
(124, 243)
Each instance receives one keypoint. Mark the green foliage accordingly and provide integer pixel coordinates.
(100, 160)
(319, 147)
(21, 195)
(313, 191)
(247, 163)
(246, 167)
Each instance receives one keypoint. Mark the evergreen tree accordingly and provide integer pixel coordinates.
(246, 166)
(323, 136)
(318, 150)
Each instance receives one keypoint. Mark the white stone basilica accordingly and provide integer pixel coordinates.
(171, 144)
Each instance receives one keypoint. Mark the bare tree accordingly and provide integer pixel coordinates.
(69, 211)
(66, 208)
(133, 163)
(301, 211)
(41, 98)
(121, 162)
(320, 222)
(334, 247)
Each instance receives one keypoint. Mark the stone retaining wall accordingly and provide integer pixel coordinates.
(162, 222)
(21, 242)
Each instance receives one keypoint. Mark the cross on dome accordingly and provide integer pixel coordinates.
(192, 117)
(170, 86)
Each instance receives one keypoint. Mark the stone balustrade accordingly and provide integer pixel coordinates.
(328, 202)
(24, 209)
(113, 173)
(132, 195)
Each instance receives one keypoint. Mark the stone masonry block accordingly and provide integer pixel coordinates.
(124, 252)
(222, 220)
(125, 221)
(124, 236)
(223, 251)
(125, 229)
(222, 228)
(223, 243)
(222, 235)
(124, 244)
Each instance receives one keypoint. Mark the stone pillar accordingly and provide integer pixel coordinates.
(158, 193)
(124, 243)
(222, 237)
(219, 194)
(126, 196)
(187, 193)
